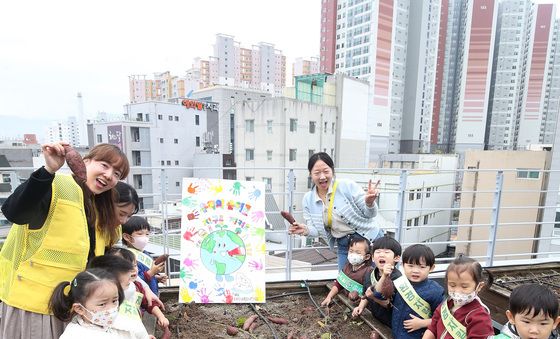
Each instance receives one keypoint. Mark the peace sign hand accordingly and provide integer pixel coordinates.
(372, 193)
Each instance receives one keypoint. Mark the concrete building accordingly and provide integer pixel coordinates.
(429, 196)
(226, 98)
(474, 67)
(446, 73)
(261, 67)
(68, 131)
(537, 125)
(161, 135)
(164, 86)
(518, 217)
(281, 133)
(523, 77)
(305, 66)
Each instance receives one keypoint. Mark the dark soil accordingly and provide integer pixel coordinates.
(304, 319)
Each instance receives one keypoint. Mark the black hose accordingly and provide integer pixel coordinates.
(313, 300)
(286, 294)
(265, 321)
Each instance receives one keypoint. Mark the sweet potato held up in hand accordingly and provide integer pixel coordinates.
(161, 259)
(288, 217)
(76, 163)
(387, 288)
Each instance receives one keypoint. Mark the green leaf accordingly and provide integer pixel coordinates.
(326, 335)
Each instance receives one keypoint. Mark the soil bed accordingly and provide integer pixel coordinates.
(304, 318)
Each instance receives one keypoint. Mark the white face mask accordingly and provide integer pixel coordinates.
(355, 258)
(104, 318)
(460, 299)
(130, 292)
(139, 242)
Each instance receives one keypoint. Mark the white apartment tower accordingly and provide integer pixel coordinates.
(474, 67)
(508, 75)
(68, 131)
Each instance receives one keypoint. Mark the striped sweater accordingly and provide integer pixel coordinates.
(349, 204)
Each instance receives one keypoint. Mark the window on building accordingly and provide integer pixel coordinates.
(293, 153)
(524, 173)
(177, 184)
(293, 125)
(411, 195)
(310, 153)
(135, 134)
(161, 140)
(176, 141)
(312, 127)
(269, 126)
(409, 223)
(332, 128)
(250, 125)
(419, 194)
(267, 184)
(197, 119)
(136, 160)
(426, 219)
(325, 128)
(176, 118)
(170, 118)
(249, 154)
(416, 221)
(269, 155)
(99, 138)
(197, 141)
(249, 178)
(176, 162)
(137, 180)
(163, 163)
(168, 162)
(428, 192)
(147, 117)
(160, 117)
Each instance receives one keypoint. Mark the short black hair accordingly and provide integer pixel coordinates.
(112, 263)
(134, 223)
(387, 242)
(413, 255)
(320, 156)
(533, 299)
(123, 253)
(127, 195)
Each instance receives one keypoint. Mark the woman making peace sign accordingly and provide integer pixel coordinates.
(337, 210)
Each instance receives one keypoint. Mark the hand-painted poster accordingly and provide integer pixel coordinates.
(223, 241)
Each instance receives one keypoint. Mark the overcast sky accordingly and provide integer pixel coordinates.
(50, 50)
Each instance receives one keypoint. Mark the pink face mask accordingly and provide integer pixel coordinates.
(139, 242)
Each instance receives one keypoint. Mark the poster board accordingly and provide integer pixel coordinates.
(222, 241)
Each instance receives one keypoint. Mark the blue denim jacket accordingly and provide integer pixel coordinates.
(349, 204)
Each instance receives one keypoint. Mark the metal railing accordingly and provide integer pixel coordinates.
(498, 221)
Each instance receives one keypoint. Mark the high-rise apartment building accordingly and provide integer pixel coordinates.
(164, 86)
(523, 77)
(261, 67)
(68, 131)
(474, 67)
(303, 66)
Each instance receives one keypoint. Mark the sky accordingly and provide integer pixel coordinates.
(51, 50)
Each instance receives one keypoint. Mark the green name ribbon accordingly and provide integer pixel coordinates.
(412, 298)
(452, 325)
(131, 309)
(349, 284)
(142, 257)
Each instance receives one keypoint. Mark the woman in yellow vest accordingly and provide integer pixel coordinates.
(59, 224)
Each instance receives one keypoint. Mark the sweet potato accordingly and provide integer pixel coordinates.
(288, 217)
(76, 163)
(249, 321)
(160, 259)
(387, 288)
(253, 326)
(166, 333)
(232, 330)
(278, 320)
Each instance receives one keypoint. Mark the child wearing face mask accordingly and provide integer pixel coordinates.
(462, 315)
(135, 236)
(121, 262)
(352, 276)
(91, 304)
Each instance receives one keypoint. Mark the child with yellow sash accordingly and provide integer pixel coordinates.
(462, 315)
(533, 313)
(377, 297)
(358, 266)
(135, 236)
(417, 296)
(130, 316)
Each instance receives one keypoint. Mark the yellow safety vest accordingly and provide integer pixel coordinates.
(33, 262)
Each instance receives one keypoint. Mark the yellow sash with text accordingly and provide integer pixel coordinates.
(408, 293)
(452, 325)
